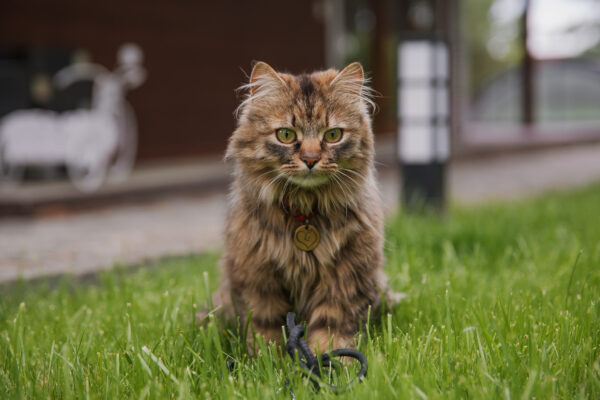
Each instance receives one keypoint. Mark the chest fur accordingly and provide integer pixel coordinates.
(260, 239)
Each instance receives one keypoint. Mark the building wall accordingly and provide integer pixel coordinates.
(196, 52)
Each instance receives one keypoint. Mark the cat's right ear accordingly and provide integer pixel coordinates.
(263, 77)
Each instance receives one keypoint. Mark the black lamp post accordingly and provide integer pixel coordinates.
(423, 102)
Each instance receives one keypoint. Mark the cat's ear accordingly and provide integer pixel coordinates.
(263, 77)
(352, 77)
(351, 84)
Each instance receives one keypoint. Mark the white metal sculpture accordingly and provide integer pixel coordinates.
(93, 143)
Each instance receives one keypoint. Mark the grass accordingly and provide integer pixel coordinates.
(503, 302)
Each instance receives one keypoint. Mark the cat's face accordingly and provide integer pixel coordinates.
(306, 130)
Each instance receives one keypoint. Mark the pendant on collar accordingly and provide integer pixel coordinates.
(306, 236)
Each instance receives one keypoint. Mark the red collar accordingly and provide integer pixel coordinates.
(289, 208)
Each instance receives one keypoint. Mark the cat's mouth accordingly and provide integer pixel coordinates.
(309, 179)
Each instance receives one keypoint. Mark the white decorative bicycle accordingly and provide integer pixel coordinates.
(93, 144)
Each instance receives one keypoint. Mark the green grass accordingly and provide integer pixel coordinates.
(503, 302)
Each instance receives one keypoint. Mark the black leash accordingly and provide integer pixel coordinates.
(309, 363)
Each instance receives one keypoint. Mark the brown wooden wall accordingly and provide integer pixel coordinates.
(194, 51)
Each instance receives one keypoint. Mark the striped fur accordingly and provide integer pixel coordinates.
(332, 287)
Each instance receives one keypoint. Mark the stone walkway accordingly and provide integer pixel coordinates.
(82, 243)
(130, 234)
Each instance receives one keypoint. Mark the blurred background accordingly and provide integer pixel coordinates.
(520, 96)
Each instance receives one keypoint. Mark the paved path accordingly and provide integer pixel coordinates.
(85, 242)
(514, 176)
(82, 243)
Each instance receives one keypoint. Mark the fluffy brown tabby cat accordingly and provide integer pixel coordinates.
(303, 152)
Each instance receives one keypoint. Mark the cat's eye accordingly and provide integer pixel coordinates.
(285, 135)
(333, 135)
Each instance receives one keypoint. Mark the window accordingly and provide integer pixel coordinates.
(531, 68)
(493, 55)
(564, 40)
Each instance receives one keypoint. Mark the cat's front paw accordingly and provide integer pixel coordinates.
(320, 341)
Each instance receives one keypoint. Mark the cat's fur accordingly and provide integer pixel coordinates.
(333, 286)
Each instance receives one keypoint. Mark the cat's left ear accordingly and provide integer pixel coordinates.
(352, 77)
(263, 77)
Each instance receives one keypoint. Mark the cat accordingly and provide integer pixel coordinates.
(304, 228)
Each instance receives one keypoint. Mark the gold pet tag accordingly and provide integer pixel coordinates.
(306, 237)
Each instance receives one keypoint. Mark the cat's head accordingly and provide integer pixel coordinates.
(305, 131)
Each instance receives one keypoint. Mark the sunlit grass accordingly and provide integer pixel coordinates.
(502, 303)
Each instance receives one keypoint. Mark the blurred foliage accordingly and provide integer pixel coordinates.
(359, 20)
(360, 23)
(478, 31)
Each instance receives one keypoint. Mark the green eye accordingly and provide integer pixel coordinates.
(333, 135)
(285, 135)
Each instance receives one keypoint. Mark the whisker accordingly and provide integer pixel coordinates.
(287, 181)
(264, 173)
(345, 185)
(337, 180)
(364, 179)
(261, 193)
(354, 172)
(349, 177)
(293, 191)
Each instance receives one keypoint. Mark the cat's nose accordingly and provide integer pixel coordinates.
(310, 159)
